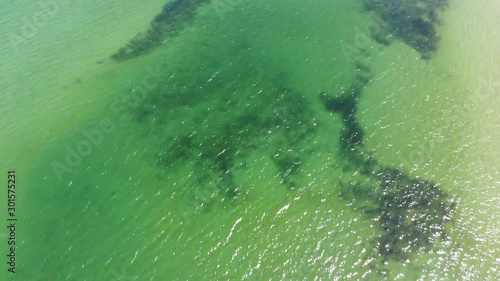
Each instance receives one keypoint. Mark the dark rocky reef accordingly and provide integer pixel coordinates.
(413, 21)
(169, 23)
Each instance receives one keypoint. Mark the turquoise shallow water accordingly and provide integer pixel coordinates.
(263, 140)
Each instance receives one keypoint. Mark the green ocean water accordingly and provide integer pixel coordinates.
(212, 154)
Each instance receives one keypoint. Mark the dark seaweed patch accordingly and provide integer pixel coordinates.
(169, 23)
(411, 212)
(288, 164)
(346, 105)
(413, 21)
(274, 122)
